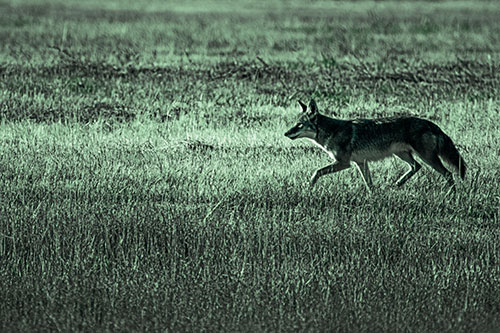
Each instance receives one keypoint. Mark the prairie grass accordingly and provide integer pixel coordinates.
(146, 185)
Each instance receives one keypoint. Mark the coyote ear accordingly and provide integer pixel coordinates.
(303, 106)
(313, 108)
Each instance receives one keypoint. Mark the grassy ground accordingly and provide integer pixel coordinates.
(145, 182)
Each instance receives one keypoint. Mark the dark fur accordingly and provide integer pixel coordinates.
(363, 140)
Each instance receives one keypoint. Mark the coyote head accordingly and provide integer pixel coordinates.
(306, 127)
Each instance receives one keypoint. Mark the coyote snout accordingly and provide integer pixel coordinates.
(364, 140)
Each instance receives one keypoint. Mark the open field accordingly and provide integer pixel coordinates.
(146, 185)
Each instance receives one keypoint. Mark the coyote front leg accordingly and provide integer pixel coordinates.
(335, 167)
(365, 173)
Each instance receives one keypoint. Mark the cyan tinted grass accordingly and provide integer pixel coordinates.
(145, 182)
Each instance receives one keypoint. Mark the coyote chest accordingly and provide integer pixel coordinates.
(330, 152)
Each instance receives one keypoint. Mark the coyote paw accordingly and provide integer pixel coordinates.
(314, 179)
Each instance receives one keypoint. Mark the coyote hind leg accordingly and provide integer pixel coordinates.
(414, 167)
(434, 161)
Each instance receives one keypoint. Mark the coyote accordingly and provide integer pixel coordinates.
(364, 140)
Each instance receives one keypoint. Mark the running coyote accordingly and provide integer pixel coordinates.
(364, 140)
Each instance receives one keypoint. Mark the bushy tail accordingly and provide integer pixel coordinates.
(449, 153)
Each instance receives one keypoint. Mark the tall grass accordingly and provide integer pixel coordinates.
(146, 185)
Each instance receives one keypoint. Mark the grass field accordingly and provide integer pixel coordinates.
(146, 185)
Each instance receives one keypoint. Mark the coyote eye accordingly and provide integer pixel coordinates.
(300, 125)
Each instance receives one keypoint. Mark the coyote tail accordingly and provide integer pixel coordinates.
(449, 153)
